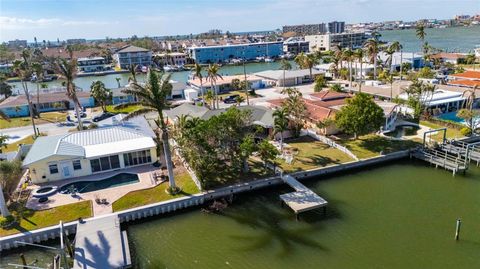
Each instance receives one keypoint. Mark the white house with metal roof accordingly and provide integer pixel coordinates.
(53, 158)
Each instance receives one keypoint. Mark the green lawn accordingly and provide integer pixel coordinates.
(451, 132)
(111, 108)
(156, 194)
(25, 121)
(43, 218)
(312, 154)
(14, 146)
(371, 145)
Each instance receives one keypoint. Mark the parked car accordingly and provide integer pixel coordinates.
(103, 116)
(231, 99)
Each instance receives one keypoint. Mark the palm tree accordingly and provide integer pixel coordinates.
(239, 99)
(348, 55)
(280, 124)
(307, 61)
(3, 205)
(197, 73)
(38, 69)
(359, 55)
(101, 94)
(118, 81)
(23, 68)
(132, 68)
(390, 51)
(212, 75)
(209, 97)
(285, 65)
(420, 31)
(68, 70)
(152, 97)
(372, 48)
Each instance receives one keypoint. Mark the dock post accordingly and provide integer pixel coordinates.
(457, 230)
(297, 218)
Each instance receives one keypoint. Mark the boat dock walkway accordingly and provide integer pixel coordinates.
(303, 199)
(100, 243)
(442, 159)
(461, 148)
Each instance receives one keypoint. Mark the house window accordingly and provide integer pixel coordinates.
(77, 165)
(136, 158)
(95, 164)
(114, 162)
(105, 163)
(53, 168)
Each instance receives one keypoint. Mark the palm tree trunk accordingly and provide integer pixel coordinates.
(311, 76)
(245, 165)
(281, 143)
(30, 109)
(216, 94)
(350, 75)
(38, 98)
(3, 205)
(168, 158)
(203, 93)
(375, 67)
(284, 78)
(401, 60)
(77, 112)
(361, 77)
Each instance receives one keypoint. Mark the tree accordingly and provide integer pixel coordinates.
(348, 55)
(101, 94)
(372, 48)
(235, 85)
(306, 61)
(471, 117)
(426, 72)
(152, 97)
(118, 82)
(247, 147)
(210, 97)
(5, 88)
(336, 87)
(359, 55)
(420, 31)
(239, 99)
(296, 109)
(38, 70)
(285, 65)
(132, 68)
(361, 115)
(10, 173)
(320, 83)
(3, 141)
(23, 68)
(213, 75)
(280, 118)
(390, 51)
(197, 73)
(267, 152)
(68, 70)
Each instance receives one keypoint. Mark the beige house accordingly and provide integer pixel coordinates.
(53, 158)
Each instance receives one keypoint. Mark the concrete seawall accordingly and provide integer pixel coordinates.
(169, 206)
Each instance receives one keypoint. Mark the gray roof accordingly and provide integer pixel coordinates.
(73, 144)
(138, 123)
(260, 115)
(278, 74)
(132, 49)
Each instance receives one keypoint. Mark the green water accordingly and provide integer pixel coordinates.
(394, 216)
(397, 216)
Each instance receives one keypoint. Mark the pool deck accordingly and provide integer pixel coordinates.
(111, 194)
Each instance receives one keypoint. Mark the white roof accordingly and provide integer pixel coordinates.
(88, 144)
(439, 97)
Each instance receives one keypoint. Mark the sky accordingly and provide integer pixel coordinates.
(92, 19)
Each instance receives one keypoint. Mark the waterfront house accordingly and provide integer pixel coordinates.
(17, 106)
(453, 58)
(292, 77)
(84, 153)
(92, 64)
(295, 45)
(119, 97)
(325, 42)
(440, 101)
(132, 55)
(467, 79)
(173, 58)
(224, 84)
(228, 52)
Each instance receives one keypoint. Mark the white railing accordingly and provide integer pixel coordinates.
(329, 142)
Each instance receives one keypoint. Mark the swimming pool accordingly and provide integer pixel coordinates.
(89, 186)
(451, 116)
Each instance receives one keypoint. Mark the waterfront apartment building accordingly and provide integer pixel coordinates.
(132, 55)
(295, 45)
(336, 27)
(92, 64)
(306, 29)
(173, 58)
(328, 41)
(225, 53)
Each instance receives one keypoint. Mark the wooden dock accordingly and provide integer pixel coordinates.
(303, 199)
(442, 159)
(470, 151)
(99, 243)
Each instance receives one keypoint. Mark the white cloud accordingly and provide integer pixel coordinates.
(15, 23)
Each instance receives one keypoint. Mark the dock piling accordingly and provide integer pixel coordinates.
(457, 229)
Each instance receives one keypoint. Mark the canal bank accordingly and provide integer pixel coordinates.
(169, 206)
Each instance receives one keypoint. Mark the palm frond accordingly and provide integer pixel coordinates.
(4, 116)
(141, 111)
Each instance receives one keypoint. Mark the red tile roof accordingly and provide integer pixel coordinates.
(316, 112)
(465, 82)
(468, 75)
(325, 95)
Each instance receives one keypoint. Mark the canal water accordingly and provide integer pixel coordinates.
(394, 216)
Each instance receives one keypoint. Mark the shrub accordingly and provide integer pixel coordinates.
(466, 131)
(5, 221)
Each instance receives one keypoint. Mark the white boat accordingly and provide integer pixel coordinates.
(477, 51)
(168, 68)
(269, 60)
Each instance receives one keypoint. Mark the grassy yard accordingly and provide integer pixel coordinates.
(451, 132)
(43, 218)
(312, 154)
(368, 146)
(156, 194)
(14, 146)
(25, 121)
(111, 108)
